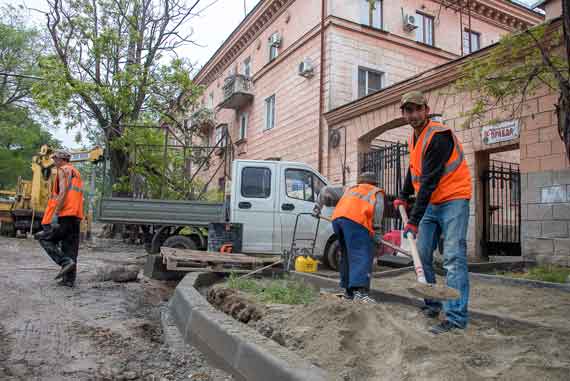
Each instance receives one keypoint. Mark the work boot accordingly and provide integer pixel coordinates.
(443, 327)
(430, 312)
(348, 294)
(66, 283)
(65, 269)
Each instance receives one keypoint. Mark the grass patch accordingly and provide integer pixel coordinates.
(545, 273)
(274, 291)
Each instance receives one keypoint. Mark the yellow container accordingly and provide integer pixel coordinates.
(306, 264)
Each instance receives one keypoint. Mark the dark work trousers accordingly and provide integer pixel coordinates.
(357, 257)
(62, 244)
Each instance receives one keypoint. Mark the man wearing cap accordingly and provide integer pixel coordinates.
(62, 218)
(440, 178)
(356, 218)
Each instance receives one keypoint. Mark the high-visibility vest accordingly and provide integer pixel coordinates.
(358, 204)
(455, 183)
(73, 202)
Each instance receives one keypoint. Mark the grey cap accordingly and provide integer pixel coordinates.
(367, 178)
(62, 154)
(415, 97)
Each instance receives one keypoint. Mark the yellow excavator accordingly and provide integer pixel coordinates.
(21, 211)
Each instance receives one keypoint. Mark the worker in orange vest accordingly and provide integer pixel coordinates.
(356, 220)
(441, 180)
(62, 218)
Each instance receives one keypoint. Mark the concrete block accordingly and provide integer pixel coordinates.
(555, 229)
(531, 229)
(560, 177)
(561, 211)
(562, 247)
(553, 194)
(539, 179)
(539, 212)
(537, 246)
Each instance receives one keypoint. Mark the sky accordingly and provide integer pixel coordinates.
(215, 22)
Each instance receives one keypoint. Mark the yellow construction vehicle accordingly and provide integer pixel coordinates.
(21, 211)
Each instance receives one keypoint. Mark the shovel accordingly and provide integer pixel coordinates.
(422, 288)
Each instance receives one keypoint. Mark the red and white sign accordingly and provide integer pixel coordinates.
(500, 132)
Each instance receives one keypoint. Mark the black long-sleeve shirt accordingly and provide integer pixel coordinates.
(433, 164)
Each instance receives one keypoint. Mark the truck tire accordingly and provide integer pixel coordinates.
(180, 242)
(333, 255)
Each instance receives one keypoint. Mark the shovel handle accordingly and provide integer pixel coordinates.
(414, 249)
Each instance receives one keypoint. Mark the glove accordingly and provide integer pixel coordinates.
(410, 229)
(316, 211)
(399, 201)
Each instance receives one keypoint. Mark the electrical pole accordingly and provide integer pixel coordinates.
(244, 8)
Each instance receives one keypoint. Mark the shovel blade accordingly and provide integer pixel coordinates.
(434, 291)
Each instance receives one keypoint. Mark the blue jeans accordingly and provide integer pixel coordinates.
(449, 219)
(357, 253)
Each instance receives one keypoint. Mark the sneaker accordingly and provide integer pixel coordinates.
(443, 327)
(430, 313)
(65, 269)
(348, 295)
(363, 297)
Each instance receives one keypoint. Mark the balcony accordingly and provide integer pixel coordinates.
(237, 92)
(203, 119)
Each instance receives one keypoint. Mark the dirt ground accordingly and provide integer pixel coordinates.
(100, 330)
(544, 306)
(355, 342)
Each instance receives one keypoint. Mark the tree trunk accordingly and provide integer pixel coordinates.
(119, 160)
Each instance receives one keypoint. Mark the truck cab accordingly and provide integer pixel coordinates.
(267, 196)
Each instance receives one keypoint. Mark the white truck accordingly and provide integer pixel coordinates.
(265, 197)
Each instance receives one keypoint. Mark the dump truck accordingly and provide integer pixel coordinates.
(265, 197)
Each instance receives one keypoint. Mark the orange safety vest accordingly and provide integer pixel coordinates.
(357, 204)
(455, 184)
(73, 203)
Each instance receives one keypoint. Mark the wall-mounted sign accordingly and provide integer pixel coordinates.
(500, 132)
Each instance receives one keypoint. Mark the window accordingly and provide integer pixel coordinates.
(221, 135)
(424, 31)
(369, 81)
(243, 121)
(302, 185)
(474, 38)
(247, 67)
(256, 182)
(270, 112)
(273, 46)
(211, 101)
(371, 13)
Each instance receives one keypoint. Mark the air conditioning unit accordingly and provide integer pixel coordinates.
(409, 23)
(306, 68)
(275, 40)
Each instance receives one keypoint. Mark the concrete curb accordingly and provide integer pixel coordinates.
(231, 345)
(500, 320)
(500, 279)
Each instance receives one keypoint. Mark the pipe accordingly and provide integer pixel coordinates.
(321, 88)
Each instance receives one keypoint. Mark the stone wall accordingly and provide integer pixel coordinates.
(546, 216)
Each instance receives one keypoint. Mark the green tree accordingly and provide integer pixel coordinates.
(114, 66)
(519, 65)
(20, 135)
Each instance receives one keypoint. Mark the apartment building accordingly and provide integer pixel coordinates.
(289, 62)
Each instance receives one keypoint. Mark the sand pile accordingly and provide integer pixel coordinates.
(391, 342)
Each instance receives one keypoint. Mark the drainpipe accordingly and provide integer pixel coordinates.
(321, 87)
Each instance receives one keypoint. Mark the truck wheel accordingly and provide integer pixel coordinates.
(180, 242)
(333, 255)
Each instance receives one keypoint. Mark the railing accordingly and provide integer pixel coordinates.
(237, 92)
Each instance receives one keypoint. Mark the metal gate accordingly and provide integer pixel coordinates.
(502, 209)
(390, 164)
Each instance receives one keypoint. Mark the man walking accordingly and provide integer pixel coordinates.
(356, 217)
(440, 178)
(62, 219)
